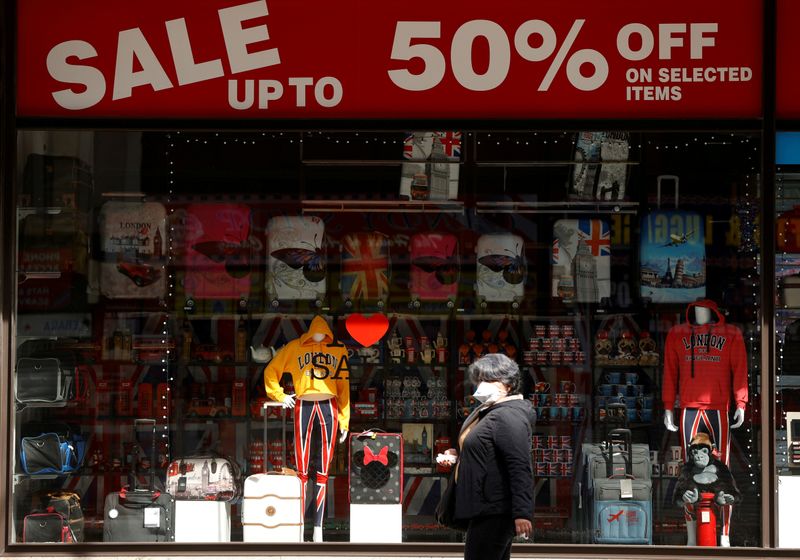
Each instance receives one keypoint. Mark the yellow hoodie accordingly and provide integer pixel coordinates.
(313, 367)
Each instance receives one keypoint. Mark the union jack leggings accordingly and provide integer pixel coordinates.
(315, 421)
(715, 423)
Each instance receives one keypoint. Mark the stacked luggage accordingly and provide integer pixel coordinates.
(618, 490)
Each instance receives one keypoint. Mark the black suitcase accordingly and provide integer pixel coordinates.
(140, 515)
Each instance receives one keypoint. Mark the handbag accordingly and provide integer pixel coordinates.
(446, 509)
(46, 527)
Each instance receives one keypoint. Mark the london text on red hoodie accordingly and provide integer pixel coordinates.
(704, 364)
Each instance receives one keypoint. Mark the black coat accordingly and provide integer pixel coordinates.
(495, 470)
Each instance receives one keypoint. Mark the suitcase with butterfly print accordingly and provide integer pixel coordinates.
(501, 269)
(296, 259)
(434, 268)
(218, 251)
(365, 267)
(133, 239)
(581, 259)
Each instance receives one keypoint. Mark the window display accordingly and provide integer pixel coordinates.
(206, 321)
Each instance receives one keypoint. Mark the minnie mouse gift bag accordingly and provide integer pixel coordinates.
(376, 468)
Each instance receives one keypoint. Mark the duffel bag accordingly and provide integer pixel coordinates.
(67, 504)
(49, 453)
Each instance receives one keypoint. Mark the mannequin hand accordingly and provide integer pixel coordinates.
(691, 496)
(738, 418)
(724, 499)
(343, 436)
(288, 401)
(669, 421)
(523, 527)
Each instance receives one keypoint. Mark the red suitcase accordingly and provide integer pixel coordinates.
(218, 251)
(434, 267)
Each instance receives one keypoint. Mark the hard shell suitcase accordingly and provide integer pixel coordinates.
(365, 267)
(218, 251)
(581, 260)
(134, 242)
(272, 508)
(205, 477)
(434, 267)
(140, 514)
(600, 170)
(431, 172)
(672, 254)
(376, 468)
(296, 261)
(501, 268)
(197, 521)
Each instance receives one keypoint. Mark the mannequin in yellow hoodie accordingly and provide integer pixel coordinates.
(319, 370)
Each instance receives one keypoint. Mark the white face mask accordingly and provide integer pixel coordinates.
(488, 392)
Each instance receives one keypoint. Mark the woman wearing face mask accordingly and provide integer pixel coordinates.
(493, 470)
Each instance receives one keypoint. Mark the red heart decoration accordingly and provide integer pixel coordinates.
(367, 330)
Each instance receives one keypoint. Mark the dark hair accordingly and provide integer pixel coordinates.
(496, 367)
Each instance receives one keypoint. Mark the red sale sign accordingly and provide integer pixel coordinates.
(390, 59)
(787, 87)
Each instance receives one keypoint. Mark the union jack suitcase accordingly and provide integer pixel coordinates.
(581, 260)
(434, 267)
(432, 170)
(672, 254)
(133, 237)
(296, 259)
(501, 268)
(218, 251)
(365, 267)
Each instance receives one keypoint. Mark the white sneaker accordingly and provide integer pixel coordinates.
(725, 540)
(317, 534)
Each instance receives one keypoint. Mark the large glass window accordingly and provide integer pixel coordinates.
(162, 273)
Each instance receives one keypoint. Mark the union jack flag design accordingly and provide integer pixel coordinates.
(365, 266)
(419, 145)
(597, 235)
(581, 238)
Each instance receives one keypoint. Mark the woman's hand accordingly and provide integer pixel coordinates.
(449, 457)
(523, 527)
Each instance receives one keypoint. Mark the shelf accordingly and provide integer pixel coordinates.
(577, 207)
(387, 206)
(550, 163)
(373, 162)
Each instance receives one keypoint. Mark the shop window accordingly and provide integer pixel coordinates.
(160, 272)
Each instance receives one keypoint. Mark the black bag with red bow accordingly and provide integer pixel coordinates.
(376, 468)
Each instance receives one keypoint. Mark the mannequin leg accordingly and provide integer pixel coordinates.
(721, 434)
(327, 413)
(303, 427)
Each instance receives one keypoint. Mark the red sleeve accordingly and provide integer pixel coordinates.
(671, 364)
(739, 370)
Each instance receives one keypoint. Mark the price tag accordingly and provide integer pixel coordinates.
(625, 488)
(152, 517)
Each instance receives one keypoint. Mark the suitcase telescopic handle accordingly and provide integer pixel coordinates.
(266, 407)
(659, 179)
(623, 435)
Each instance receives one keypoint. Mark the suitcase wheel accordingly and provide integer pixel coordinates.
(348, 303)
(242, 303)
(450, 304)
(189, 305)
(381, 304)
(515, 305)
(484, 305)
(318, 303)
(275, 303)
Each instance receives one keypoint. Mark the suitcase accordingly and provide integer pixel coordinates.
(365, 267)
(581, 260)
(432, 172)
(218, 251)
(272, 508)
(672, 253)
(587, 163)
(621, 502)
(296, 259)
(133, 237)
(434, 267)
(202, 521)
(205, 477)
(501, 268)
(601, 169)
(53, 262)
(789, 291)
(140, 515)
(376, 468)
(56, 182)
(787, 238)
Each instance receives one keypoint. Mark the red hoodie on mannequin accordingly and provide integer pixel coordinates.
(704, 364)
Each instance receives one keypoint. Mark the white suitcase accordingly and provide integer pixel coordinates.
(501, 268)
(272, 509)
(202, 521)
(295, 259)
(134, 248)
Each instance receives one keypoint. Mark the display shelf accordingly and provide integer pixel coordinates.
(576, 207)
(384, 206)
